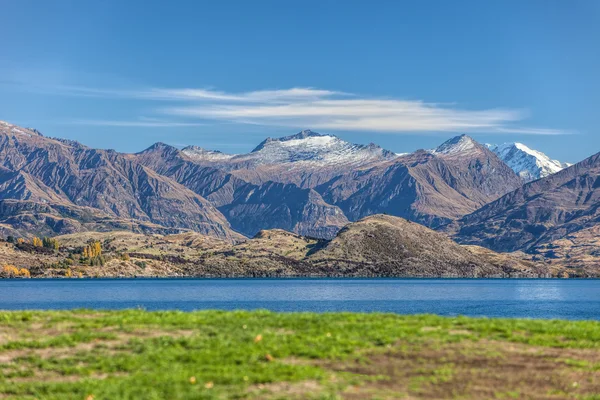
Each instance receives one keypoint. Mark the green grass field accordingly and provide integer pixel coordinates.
(136, 354)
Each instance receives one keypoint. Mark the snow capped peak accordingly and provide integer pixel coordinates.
(458, 144)
(312, 147)
(529, 164)
(198, 149)
(305, 149)
(14, 130)
(303, 134)
(199, 153)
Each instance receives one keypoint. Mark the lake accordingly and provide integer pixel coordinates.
(524, 298)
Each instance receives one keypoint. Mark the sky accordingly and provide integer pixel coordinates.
(224, 75)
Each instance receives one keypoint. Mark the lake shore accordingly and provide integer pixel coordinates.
(240, 354)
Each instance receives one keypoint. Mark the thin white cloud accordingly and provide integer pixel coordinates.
(323, 109)
(316, 108)
(259, 96)
(355, 114)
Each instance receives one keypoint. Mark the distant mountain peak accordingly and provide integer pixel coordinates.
(159, 147)
(311, 149)
(197, 152)
(199, 149)
(457, 144)
(8, 128)
(302, 135)
(529, 164)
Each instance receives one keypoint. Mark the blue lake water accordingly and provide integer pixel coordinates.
(525, 298)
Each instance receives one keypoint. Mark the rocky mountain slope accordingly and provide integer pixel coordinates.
(480, 175)
(59, 178)
(529, 164)
(389, 246)
(247, 206)
(541, 211)
(576, 254)
(379, 245)
(431, 188)
(283, 206)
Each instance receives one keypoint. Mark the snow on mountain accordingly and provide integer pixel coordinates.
(306, 148)
(529, 164)
(10, 129)
(313, 147)
(198, 153)
(458, 144)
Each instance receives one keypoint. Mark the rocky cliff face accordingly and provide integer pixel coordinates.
(68, 174)
(541, 211)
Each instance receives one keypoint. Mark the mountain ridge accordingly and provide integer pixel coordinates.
(428, 187)
(61, 173)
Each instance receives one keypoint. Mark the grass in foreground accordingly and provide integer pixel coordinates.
(136, 354)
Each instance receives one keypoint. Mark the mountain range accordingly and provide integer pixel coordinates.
(506, 198)
(313, 184)
(50, 186)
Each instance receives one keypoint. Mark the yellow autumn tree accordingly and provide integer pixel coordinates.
(92, 250)
(37, 242)
(97, 249)
(92, 254)
(24, 272)
(10, 270)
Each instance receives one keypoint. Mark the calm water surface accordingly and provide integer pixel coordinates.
(528, 298)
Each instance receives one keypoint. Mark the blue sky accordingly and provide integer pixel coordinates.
(226, 74)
